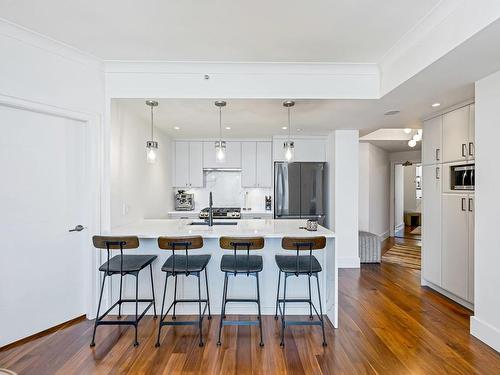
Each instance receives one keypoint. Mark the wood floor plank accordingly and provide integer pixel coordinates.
(389, 324)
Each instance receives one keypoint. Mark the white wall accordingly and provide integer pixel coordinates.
(343, 160)
(399, 196)
(39, 76)
(485, 324)
(374, 189)
(138, 189)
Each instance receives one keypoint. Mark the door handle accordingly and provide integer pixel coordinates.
(463, 204)
(470, 204)
(437, 173)
(78, 228)
(471, 148)
(464, 150)
(437, 153)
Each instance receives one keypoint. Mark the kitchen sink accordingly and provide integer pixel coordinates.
(215, 223)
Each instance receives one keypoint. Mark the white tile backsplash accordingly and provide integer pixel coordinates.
(227, 192)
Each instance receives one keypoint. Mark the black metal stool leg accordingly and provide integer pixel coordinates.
(136, 343)
(321, 312)
(153, 290)
(282, 343)
(98, 309)
(162, 308)
(223, 307)
(119, 304)
(277, 296)
(310, 299)
(175, 296)
(258, 305)
(200, 319)
(208, 296)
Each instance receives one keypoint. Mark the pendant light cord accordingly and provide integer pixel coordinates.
(289, 130)
(152, 123)
(220, 127)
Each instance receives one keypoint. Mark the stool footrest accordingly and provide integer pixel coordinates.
(122, 322)
(181, 322)
(189, 301)
(241, 300)
(292, 300)
(302, 323)
(240, 322)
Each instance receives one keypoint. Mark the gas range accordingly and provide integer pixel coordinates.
(222, 213)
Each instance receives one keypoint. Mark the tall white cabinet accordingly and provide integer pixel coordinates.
(448, 215)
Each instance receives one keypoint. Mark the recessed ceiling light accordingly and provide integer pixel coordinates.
(284, 127)
(299, 129)
(436, 105)
(176, 128)
(407, 130)
(228, 128)
(392, 113)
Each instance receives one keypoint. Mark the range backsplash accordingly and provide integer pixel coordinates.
(227, 192)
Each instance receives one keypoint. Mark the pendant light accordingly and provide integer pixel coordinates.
(288, 145)
(220, 145)
(151, 146)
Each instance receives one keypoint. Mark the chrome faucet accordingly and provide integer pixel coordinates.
(210, 219)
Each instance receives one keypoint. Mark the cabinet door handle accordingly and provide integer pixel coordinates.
(437, 153)
(464, 150)
(437, 173)
(471, 149)
(470, 204)
(463, 204)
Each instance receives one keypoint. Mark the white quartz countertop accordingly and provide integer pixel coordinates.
(268, 228)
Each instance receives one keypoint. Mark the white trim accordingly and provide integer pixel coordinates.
(349, 262)
(384, 235)
(485, 332)
(446, 293)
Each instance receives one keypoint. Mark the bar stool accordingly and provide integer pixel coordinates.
(123, 264)
(240, 265)
(186, 265)
(298, 265)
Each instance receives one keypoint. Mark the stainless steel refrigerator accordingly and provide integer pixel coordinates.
(300, 191)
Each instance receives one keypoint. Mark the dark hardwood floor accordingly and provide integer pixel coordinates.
(388, 325)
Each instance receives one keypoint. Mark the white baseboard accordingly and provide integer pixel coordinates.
(352, 262)
(383, 236)
(485, 332)
(445, 293)
(400, 226)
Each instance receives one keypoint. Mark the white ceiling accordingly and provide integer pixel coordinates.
(224, 30)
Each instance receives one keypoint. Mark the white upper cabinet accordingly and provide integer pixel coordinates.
(256, 164)
(431, 143)
(264, 164)
(305, 149)
(456, 135)
(188, 164)
(248, 164)
(232, 159)
(431, 222)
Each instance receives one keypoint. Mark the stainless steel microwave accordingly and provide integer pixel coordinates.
(462, 177)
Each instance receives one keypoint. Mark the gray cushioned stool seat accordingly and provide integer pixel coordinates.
(288, 263)
(131, 263)
(195, 263)
(254, 264)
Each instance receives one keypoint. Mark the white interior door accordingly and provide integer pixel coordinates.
(43, 194)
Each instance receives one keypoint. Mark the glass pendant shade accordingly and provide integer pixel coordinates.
(412, 143)
(220, 151)
(151, 151)
(288, 146)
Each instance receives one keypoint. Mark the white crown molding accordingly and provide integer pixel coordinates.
(35, 39)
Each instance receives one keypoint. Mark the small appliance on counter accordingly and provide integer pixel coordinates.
(269, 204)
(184, 201)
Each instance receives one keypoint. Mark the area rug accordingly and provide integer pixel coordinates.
(417, 230)
(404, 255)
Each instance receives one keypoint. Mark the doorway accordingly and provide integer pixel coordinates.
(408, 200)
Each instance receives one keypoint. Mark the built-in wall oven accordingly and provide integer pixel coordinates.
(462, 177)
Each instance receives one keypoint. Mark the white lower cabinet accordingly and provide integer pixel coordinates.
(431, 221)
(455, 244)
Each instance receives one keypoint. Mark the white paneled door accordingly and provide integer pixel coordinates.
(43, 194)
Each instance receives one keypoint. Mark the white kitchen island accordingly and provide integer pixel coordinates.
(243, 287)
